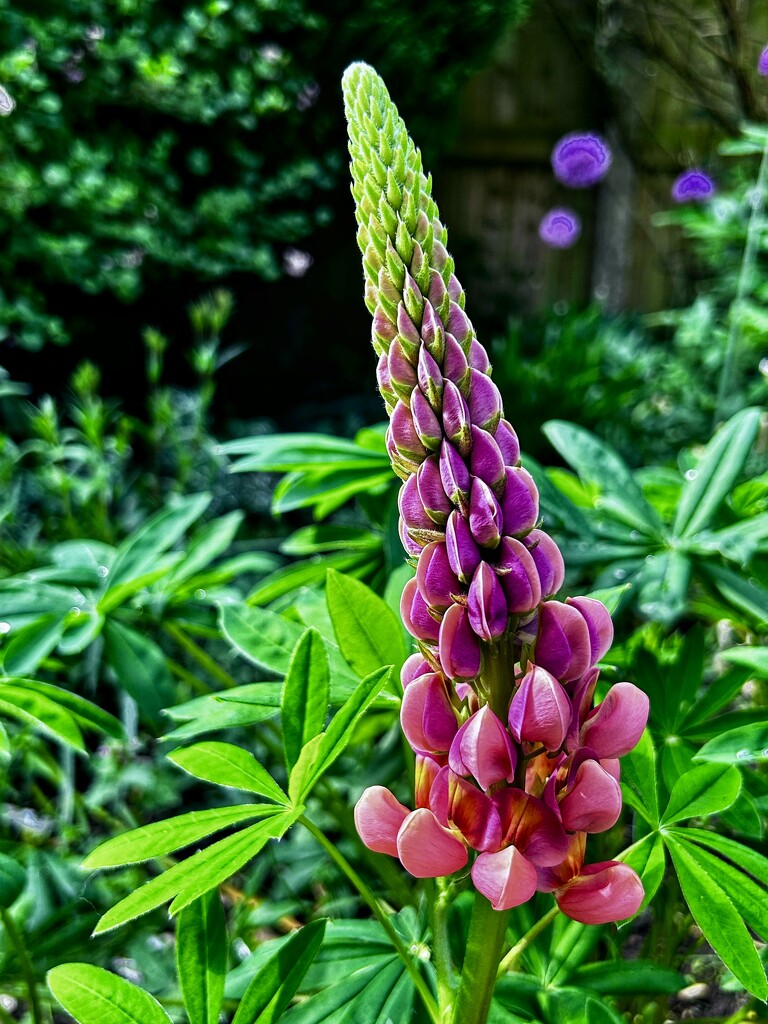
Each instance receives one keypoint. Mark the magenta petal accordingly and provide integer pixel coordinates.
(426, 849)
(484, 401)
(411, 507)
(378, 817)
(485, 518)
(486, 460)
(562, 644)
(592, 802)
(415, 614)
(436, 580)
(463, 552)
(427, 716)
(425, 422)
(459, 324)
(455, 365)
(459, 645)
(506, 439)
(533, 827)
(430, 379)
(455, 475)
(402, 376)
(486, 603)
(520, 501)
(412, 547)
(549, 561)
(616, 725)
(519, 577)
(415, 665)
(540, 711)
(506, 878)
(478, 357)
(599, 624)
(426, 770)
(456, 419)
(473, 814)
(609, 891)
(404, 433)
(483, 748)
(429, 483)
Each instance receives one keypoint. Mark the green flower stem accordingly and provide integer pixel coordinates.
(405, 955)
(189, 678)
(749, 257)
(201, 657)
(485, 942)
(510, 960)
(439, 906)
(17, 943)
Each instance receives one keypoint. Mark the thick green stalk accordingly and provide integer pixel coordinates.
(510, 960)
(365, 891)
(439, 906)
(485, 942)
(17, 943)
(742, 288)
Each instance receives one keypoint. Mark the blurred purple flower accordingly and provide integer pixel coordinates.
(762, 62)
(581, 159)
(560, 228)
(692, 185)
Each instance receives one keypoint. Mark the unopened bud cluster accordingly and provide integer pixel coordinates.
(514, 766)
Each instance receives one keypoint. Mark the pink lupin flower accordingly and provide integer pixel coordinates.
(483, 749)
(548, 560)
(540, 711)
(532, 826)
(505, 877)
(463, 551)
(591, 800)
(485, 516)
(487, 603)
(563, 644)
(416, 615)
(426, 848)
(601, 893)
(615, 726)
(427, 716)
(436, 580)
(520, 501)
(599, 625)
(458, 644)
(518, 575)
(378, 817)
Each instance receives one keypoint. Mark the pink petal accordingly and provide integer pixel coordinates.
(549, 561)
(473, 814)
(378, 817)
(562, 644)
(616, 725)
(426, 770)
(437, 582)
(426, 849)
(459, 645)
(506, 878)
(533, 827)
(427, 716)
(609, 891)
(487, 603)
(518, 574)
(592, 802)
(599, 624)
(415, 613)
(483, 748)
(540, 711)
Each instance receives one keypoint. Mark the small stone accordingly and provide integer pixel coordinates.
(692, 993)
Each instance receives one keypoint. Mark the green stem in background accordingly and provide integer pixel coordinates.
(510, 960)
(485, 942)
(201, 657)
(17, 943)
(742, 288)
(405, 955)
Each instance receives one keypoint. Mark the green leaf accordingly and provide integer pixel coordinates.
(13, 878)
(323, 537)
(737, 746)
(204, 870)
(368, 632)
(139, 666)
(742, 593)
(224, 764)
(329, 489)
(41, 712)
(306, 695)
(94, 996)
(282, 453)
(31, 644)
(715, 696)
(745, 857)
(638, 779)
(716, 472)
(201, 957)
(138, 555)
(309, 573)
(718, 918)
(753, 658)
(647, 858)
(85, 713)
(703, 790)
(374, 994)
(211, 542)
(272, 989)
(662, 587)
(689, 670)
(249, 704)
(616, 977)
(163, 837)
(598, 463)
(320, 753)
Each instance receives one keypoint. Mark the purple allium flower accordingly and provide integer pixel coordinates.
(692, 185)
(762, 62)
(581, 159)
(560, 228)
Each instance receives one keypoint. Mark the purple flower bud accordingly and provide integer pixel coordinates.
(506, 439)
(540, 711)
(378, 817)
(383, 330)
(459, 325)
(459, 646)
(455, 365)
(560, 228)
(385, 383)
(581, 159)
(411, 546)
(463, 553)
(455, 290)
(438, 293)
(599, 624)
(436, 580)
(427, 715)
(485, 517)
(407, 334)
(549, 561)
(411, 507)
(412, 298)
(484, 401)
(402, 375)
(518, 576)
(592, 800)
(520, 501)
(436, 503)
(455, 475)
(404, 434)
(483, 748)
(403, 466)
(486, 460)
(762, 62)
(415, 665)
(693, 185)
(430, 379)
(456, 420)
(432, 333)
(415, 614)
(486, 603)
(562, 643)
(426, 423)
(478, 357)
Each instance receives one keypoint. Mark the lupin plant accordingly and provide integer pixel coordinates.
(514, 766)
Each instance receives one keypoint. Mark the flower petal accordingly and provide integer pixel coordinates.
(426, 849)
(378, 817)
(506, 878)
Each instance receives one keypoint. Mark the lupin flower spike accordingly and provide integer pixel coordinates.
(513, 765)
